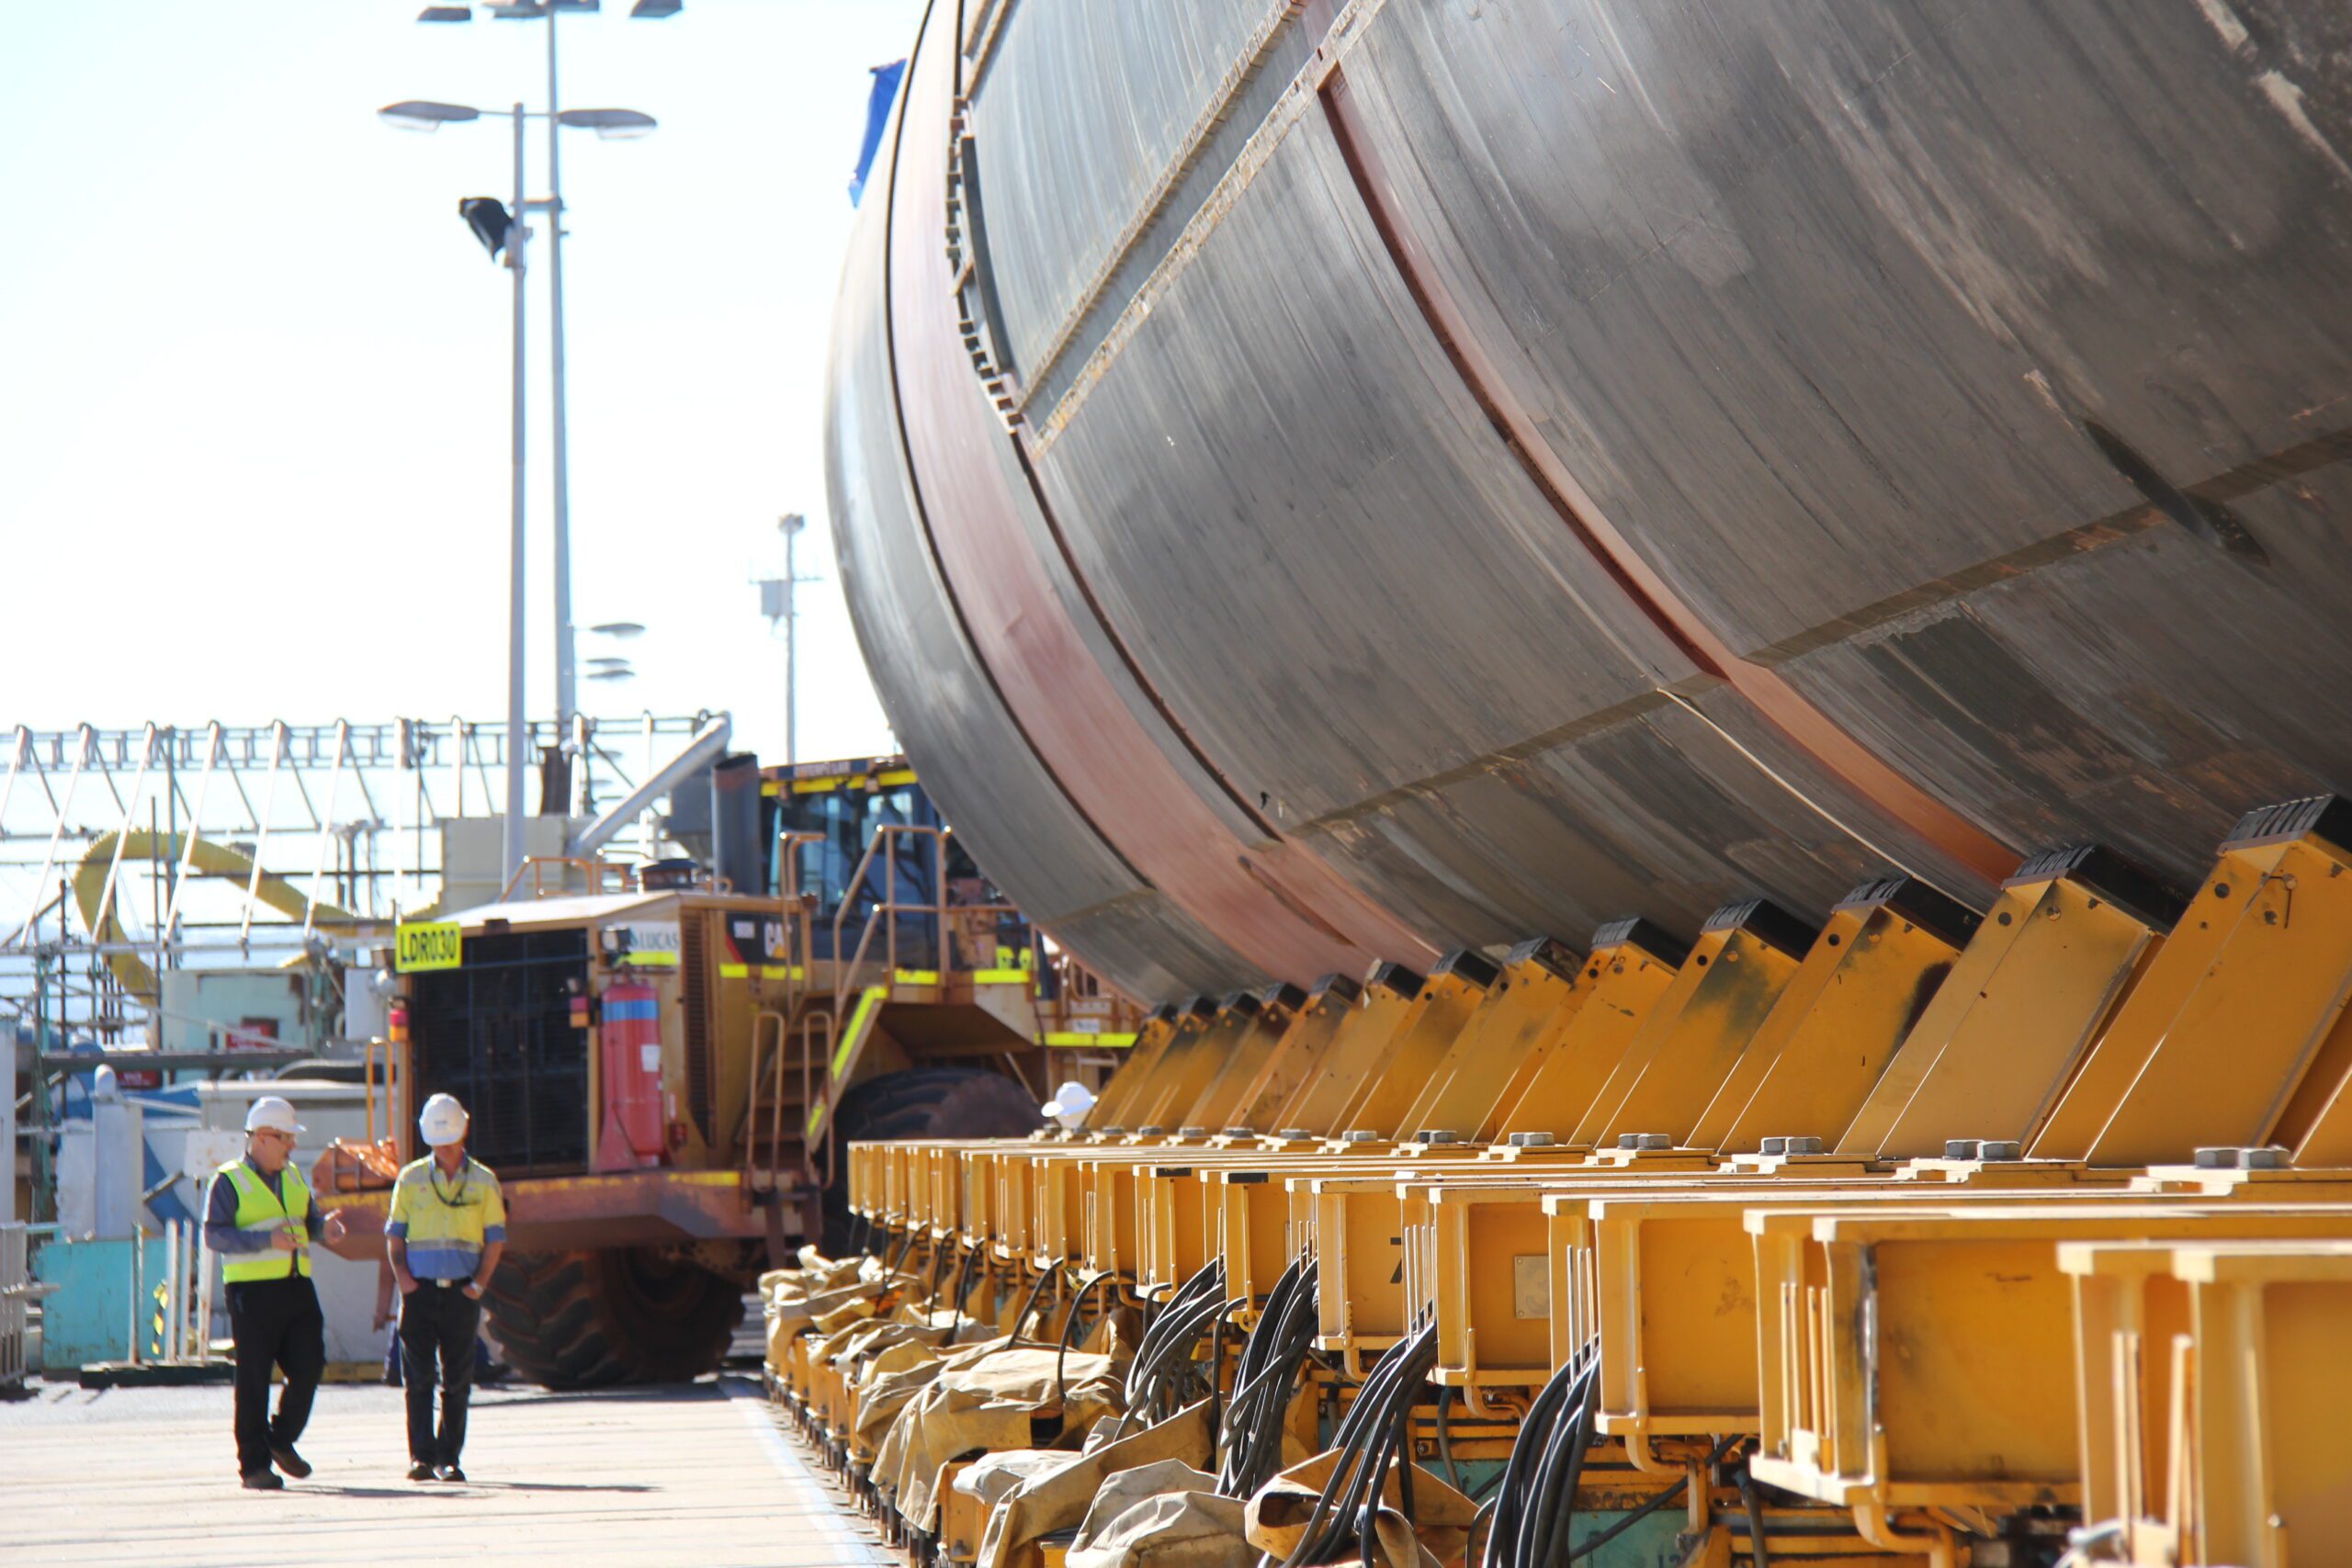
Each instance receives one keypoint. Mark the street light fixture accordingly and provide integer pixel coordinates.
(610, 125)
(423, 114)
(622, 629)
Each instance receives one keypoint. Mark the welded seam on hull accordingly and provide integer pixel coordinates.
(1811, 731)
(1296, 100)
(978, 52)
(2115, 528)
(914, 478)
(1431, 785)
(1228, 91)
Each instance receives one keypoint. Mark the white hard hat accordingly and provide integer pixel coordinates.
(273, 1112)
(1071, 1103)
(443, 1120)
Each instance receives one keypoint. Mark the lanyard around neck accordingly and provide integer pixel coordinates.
(465, 1179)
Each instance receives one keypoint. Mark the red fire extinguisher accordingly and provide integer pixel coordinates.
(630, 1061)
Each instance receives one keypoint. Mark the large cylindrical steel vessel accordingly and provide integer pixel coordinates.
(1320, 479)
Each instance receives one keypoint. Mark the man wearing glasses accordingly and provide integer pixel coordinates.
(446, 1230)
(260, 1220)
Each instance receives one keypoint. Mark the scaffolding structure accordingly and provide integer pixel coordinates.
(223, 845)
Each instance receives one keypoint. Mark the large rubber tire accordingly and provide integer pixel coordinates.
(594, 1319)
(947, 1102)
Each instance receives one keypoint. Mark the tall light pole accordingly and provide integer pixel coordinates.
(424, 115)
(611, 123)
(517, 725)
(566, 695)
(790, 524)
(481, 215)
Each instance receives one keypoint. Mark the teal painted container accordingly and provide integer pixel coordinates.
(1654, 1543)
(88, 1318)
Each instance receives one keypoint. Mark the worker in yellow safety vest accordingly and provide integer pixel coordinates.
(260, 1221)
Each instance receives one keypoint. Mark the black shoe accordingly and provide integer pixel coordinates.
(289, 1461)
(451, 1472)
(420, 1471)
(264, 1481)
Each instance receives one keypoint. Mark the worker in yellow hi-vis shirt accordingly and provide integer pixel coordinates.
(446, 1230)
(260, 1222)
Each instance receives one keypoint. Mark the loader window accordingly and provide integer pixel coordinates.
(848, 819)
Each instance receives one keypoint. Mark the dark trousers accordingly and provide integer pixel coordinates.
(277, 1323)
(437, 1328)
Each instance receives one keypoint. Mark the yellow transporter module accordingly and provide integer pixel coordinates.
(2236, 1037)
(1851, 993)
(1750, 993)
(1496, 1017)
(1655, 1358)
(1917, 1360)
(1356, 1218)
(1745, 954)
(2210, 1382)
(1058, 1196)
(1532, 996)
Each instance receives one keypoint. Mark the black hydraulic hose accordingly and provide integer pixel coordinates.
(1205, 1285)
(1587, 1428)
(1167, 1381)
(963, 1288)
(1264, 1377)
(1061, 1356)
(1383, 1412)
(1393, 1436)
(1653, 1505)
(1757, 1553)
(1029, 1303)
(1347, 1445)
(1551, 1501)
(1510, 1496)
(931, 1286)
(1546, 1445)
(1196, 1304)
(1445, 1441)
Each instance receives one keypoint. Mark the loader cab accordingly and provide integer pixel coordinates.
(826, 823)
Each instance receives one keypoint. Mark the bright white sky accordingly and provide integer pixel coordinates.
(253, 389)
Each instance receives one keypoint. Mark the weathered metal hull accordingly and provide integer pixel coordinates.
(1481, 466)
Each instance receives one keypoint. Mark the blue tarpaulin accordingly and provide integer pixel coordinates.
(877, 117)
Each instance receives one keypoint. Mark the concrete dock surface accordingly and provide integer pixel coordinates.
(691, 1474)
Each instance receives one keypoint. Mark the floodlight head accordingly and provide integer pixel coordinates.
(446, 14)
(623, 673)
(654, 10)
(423, 114)
(623, 629)
(610, 125)
(792, 523)
(488, 218)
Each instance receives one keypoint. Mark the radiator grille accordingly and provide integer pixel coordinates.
(498, 1034)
